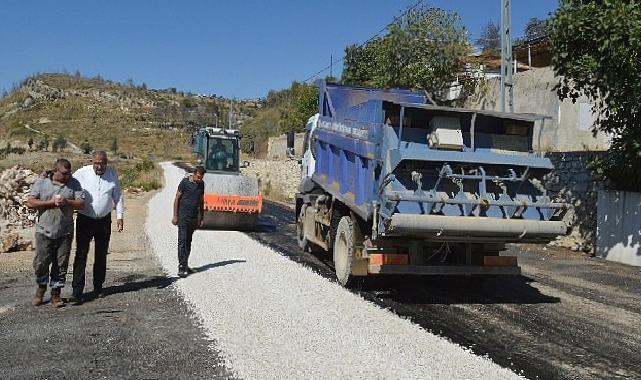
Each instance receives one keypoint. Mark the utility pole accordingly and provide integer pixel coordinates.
(331, 66)
(231, 110)
(506, 55)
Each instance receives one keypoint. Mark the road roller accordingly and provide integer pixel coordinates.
(232, 200)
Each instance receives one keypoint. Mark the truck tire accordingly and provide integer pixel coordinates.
(300, 230)
(344, 251)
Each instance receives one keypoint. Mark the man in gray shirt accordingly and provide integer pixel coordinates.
(55, 197)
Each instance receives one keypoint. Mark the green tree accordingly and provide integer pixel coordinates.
(60, 143)
(595, 50)
(490, 38)
(535, 28)
(285, 111)
(361, 64)
(424, 49)
(303, 103)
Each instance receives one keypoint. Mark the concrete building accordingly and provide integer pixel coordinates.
(568, 126)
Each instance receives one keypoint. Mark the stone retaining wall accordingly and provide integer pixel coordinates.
(277, 146)
(573, 181)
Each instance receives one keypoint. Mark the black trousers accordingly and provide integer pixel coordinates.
(100, 231)
(186, 230)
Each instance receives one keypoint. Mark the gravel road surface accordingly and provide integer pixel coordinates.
(274, 318)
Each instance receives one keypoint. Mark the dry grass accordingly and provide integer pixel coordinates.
(146, 124)
(143, 175)
(40, 161)
(98, 128)
(133, 174)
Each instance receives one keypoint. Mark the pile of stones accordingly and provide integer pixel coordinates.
(15, 183)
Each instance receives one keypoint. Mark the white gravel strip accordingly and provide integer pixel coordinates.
(272, 318)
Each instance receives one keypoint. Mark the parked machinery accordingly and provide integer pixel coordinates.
(232, 200)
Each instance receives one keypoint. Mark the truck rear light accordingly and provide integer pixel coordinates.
(499, 261)
(388, 258)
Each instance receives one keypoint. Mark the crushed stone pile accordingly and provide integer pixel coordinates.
(15, 183)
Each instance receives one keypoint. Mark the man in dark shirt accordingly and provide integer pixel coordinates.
(188, 215)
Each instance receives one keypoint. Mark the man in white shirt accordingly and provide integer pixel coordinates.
(102, 192)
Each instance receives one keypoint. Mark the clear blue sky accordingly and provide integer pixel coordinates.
(239, 48)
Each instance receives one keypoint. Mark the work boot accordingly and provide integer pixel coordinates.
(56, 300)
(182, 272)
(40, 293)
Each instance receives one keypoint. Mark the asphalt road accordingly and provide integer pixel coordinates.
(142, 329)
(568, 316)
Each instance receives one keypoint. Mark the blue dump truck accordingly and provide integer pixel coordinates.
(392, 185)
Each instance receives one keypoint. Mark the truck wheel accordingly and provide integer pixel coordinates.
(344, 251)
(300, 230)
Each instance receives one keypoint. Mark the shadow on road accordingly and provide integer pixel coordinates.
(158, 282)
(216, 265)
(456, 290)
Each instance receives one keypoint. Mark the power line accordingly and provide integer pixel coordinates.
(409, 9)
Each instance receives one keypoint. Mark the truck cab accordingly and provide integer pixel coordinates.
(308, 162)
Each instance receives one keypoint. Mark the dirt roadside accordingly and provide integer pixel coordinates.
(140, 330)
